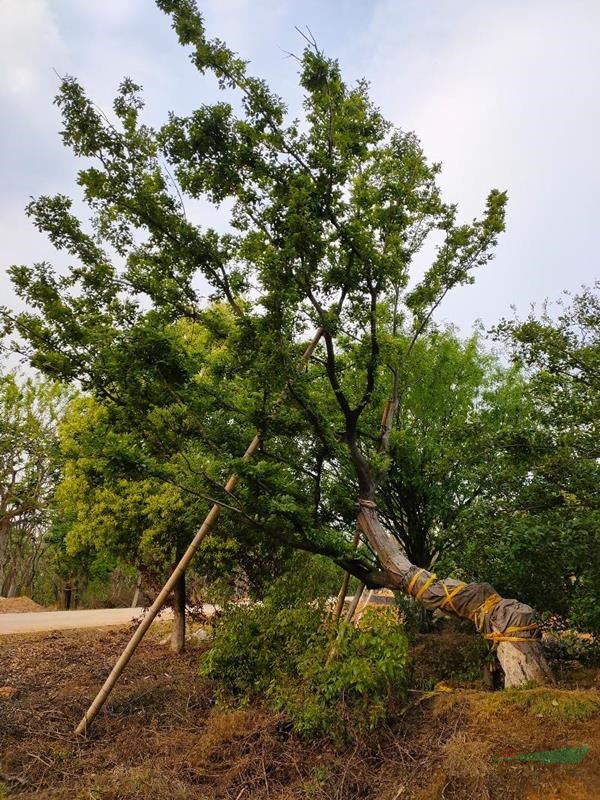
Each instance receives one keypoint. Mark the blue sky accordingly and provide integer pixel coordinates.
(505, 94)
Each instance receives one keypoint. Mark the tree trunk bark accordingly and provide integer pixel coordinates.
(12, 589)
(523, 662)
(178, 630)
(508, 624)
(4, 555)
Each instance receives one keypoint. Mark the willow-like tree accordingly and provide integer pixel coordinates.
(324, 218)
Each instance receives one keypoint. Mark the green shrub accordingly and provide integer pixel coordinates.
(585, 609)
(356, 689)
(436, 658)
(326, 680)
(308, 579)
(254, 643)
(567, 646)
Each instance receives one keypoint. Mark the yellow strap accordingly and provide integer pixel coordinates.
(426, 586)
(517, 628)
(500, 637)
(414, 580)
(484, 609)
(450, 596)
(496, 637)
(488, 604)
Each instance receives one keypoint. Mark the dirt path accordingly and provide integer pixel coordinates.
(63, 620)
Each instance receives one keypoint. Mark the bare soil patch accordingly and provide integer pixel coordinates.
(163, 735)
(19, 605)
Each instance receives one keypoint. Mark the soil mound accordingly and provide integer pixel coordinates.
(18, 605)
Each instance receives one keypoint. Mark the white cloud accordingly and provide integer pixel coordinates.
(110, 13)
(505, 95)
(29, 40)
(244, 25)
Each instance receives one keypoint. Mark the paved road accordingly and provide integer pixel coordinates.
(32, 622)
(63, 620)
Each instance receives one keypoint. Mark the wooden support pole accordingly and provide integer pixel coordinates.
(179, 570)
(348, 618)
(354, 604)
(341, 598)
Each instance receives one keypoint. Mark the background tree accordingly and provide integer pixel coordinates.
(88, 578)
(327, 217)
(546, 519)
(444, 451)
(134, 493)
(30, 464)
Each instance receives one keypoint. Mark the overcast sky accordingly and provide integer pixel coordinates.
(505, 94)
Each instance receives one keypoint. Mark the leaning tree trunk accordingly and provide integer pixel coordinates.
(508, 624)
(178, 629)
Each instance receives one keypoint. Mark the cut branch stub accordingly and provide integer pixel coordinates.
(508, 624)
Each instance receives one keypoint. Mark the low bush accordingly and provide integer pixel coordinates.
(326, 680)
(568, 646)
(253, 644)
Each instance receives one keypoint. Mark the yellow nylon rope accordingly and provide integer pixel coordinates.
(496, 637)
(450, 596)
(425, 586)
(414, 580)
(478, 616)
(484, 609)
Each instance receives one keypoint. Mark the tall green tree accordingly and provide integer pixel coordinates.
(327, 216)
(123, 501)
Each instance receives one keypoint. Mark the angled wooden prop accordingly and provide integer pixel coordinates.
(181, 567)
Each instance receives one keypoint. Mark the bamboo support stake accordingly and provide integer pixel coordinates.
(366, 602)
(348, 618)
(341, 598)
(354, 604)
(181, 567)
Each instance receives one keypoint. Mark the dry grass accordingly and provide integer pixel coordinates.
(162, 736)
(547, 703)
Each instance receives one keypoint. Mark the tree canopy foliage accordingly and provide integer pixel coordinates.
(328, 214)
(185, 339)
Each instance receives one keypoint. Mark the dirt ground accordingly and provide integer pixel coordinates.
(19, 605)
(23, 623)
(164, 736)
